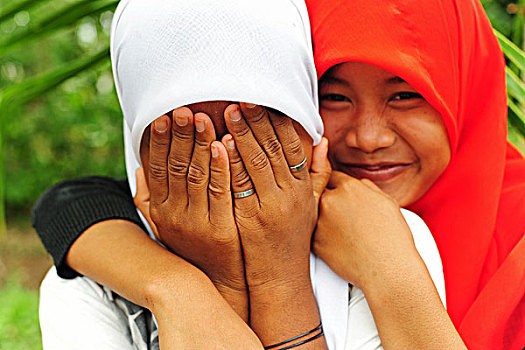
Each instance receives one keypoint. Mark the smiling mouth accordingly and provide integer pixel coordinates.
(375, 172)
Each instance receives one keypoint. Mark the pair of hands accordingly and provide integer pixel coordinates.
(189, 202)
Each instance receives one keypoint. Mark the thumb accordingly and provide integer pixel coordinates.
(321, 169)
(142, 198)
(337, 178)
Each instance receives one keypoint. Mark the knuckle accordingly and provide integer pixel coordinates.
(182, 136)
(217, 191)
(218, 188)
(272, 147)
(177, 167)
(242, 131)
(259, 161)
(196, 175)
(157, 170)
(241, 179)
(158, 141)
(295, 146)
(202, 145)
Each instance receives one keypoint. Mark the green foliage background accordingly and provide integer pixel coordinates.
(69, 131)
(74, 129)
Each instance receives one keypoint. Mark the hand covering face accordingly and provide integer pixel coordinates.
(447, 51)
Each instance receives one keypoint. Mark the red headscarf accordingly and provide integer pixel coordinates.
(447, 51)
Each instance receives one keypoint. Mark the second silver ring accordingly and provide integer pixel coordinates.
(244, 194)
(299, 166)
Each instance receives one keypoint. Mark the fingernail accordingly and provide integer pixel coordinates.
(214, 151)
(161, 125)
(230, 143)
(181, 120)
(235, 115)
(200, 125)
(250, 105)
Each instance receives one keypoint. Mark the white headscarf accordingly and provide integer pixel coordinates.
(171, 53)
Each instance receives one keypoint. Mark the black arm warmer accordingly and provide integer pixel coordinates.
(67, 209)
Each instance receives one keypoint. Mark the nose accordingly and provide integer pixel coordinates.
(369, 131)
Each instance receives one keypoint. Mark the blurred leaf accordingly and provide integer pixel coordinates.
(17, 8)
(511, 51)
(35, 87)
(515, 86)
(517, 118)
(63, 18)
(501, 20)
(29, 90)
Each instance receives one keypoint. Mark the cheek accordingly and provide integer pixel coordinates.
(336, 125)
(426, 134)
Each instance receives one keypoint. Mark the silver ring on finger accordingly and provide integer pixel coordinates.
(299, 166)
(244, 194)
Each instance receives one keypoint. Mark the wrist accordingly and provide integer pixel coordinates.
(272, 273)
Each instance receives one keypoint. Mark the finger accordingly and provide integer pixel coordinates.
(219, 190)
(371, 185)
(142, 199)
(158, 158)
(180, 153)
(255, 160)
(321, 169)
(337, 178)
(199, 170)
(258, 119)
(292, 146)
(240, 181)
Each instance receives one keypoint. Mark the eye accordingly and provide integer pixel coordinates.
(405, 95)
(334, 98)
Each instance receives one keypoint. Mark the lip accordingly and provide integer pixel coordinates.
(378, 172)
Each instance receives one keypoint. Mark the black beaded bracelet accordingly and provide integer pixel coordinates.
(319, 327)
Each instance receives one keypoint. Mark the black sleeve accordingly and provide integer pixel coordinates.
(67, 209)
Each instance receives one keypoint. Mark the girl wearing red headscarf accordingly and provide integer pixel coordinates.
(413, 98)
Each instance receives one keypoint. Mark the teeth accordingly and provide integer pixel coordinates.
(378, 167)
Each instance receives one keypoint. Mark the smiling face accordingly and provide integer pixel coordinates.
(380, 128)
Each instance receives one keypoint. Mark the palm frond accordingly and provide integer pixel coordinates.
(515, 87)
(10, 12)
(26, 91)
(511, 51)
(61, 19)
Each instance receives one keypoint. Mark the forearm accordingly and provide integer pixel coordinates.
(408, 311)
(119, 255)
(283, 310)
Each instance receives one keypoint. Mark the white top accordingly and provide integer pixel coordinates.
(80, 314)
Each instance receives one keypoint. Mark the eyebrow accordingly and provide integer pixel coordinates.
(334, 80)
(395, 80)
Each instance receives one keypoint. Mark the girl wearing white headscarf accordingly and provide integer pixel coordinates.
(168, 54)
